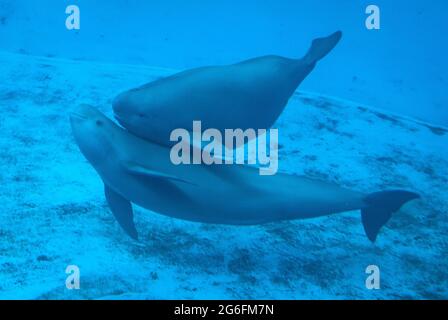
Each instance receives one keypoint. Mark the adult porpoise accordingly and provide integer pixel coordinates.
(249, 94)
(138, 171)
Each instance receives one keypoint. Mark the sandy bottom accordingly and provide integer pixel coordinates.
(54, 214)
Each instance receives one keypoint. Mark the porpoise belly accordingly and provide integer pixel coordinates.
(201, 205)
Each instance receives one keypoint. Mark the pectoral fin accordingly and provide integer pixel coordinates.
(122, 210)
(140, 170)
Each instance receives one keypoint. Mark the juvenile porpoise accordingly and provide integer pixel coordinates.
(249, 94)
(138, 171)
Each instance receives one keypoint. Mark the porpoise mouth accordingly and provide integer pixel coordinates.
(116, 116)
(78, 116)
(120, 120)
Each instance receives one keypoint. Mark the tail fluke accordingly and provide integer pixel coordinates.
(380, 206)
(321, 47)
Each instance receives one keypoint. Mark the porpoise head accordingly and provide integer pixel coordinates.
(94, 133)
(130, 110)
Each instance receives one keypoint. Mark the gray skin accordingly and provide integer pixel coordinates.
(137, 171)
(249, 94)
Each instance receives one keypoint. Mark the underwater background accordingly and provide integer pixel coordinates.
(371, 116)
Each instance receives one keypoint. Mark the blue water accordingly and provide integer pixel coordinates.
(371, 116)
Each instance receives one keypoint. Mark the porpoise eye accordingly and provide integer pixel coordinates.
(99, 122)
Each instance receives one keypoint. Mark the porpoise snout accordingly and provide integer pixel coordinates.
(119, 103)
(84, 112)
(126, 107)
(76, 115)
(129, 103)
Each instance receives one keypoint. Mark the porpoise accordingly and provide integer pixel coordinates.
(136, 171)
(249, 94)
